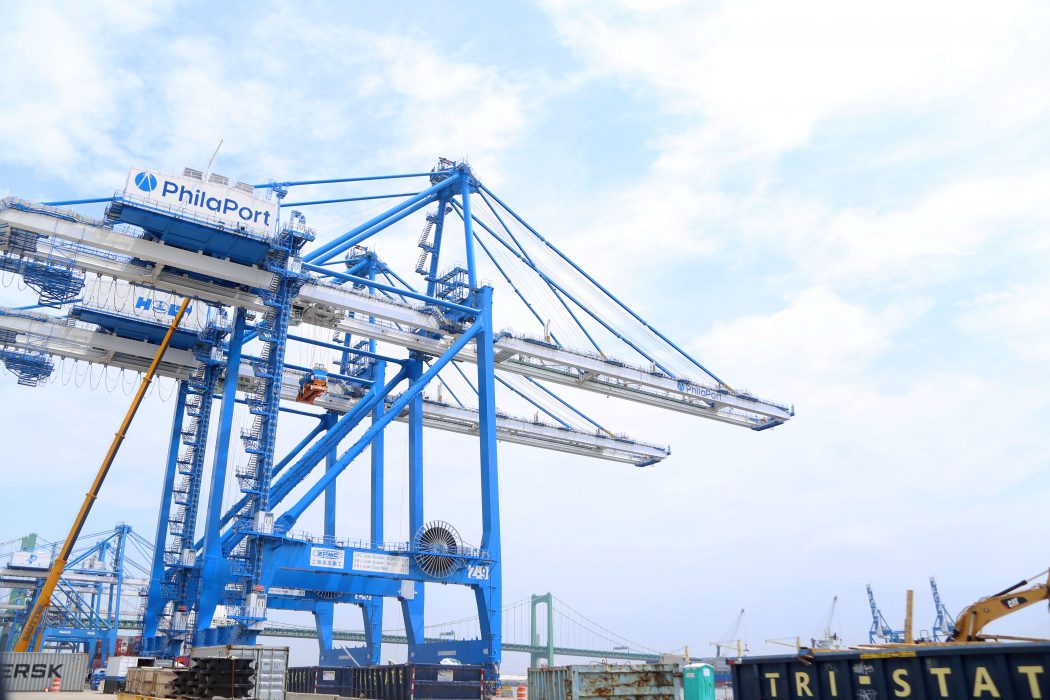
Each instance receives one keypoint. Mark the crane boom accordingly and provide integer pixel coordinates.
(43, 599)
(943, 623)
(831, 618)
(732, 639)
(880, 629)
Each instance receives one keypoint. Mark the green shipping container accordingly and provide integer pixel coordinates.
(698, 682)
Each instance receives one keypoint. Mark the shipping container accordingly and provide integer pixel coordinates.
(641, 682)
(944, 672)
(118, 666)
(270, 664)
(419, 682)
(36, 670)
(392, 682)
(154, 682)
(290, 695)
(320, 679)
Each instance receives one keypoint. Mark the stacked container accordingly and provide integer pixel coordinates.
(392, 682)
(943, 671)
(36, 670)
(270, 665)
(640, 682)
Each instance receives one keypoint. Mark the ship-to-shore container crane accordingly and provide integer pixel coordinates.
(944, 622)
(258, 283)
(880, 629)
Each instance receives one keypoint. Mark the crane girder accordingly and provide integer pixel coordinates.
(53, 335)
(513, 354)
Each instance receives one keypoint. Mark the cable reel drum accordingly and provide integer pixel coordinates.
(436, 546)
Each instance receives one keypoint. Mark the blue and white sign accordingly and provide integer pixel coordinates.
(31, 560)
(208, 201)
(145, 304)
(380, 563)
(326, 558)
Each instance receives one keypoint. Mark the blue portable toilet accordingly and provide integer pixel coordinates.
(698, 682)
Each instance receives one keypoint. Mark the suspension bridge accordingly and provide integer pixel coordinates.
(564, 632)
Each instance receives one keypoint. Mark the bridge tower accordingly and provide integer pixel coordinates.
(534, 634)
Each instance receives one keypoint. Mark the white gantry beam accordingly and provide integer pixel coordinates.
(42, 333)
(593, 374)
(398, 323)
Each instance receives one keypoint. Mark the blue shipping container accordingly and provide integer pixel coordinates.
(948, 672)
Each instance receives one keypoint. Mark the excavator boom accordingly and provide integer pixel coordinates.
(971, 622)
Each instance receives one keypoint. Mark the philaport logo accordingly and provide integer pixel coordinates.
(213, 198)
(146, 182)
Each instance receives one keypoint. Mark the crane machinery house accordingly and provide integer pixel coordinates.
(235, 207)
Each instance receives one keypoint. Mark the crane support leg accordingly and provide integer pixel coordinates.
(213, 560)
(155, 599)
(489, 590)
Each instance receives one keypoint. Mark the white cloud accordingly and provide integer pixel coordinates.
(818, 335)
(1018, 317)
(740, 85)
(954, 229)
(764, 73)
(85, 98)
(62, 94)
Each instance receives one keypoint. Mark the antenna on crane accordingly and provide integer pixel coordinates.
(212, 159)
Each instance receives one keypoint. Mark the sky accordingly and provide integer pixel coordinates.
(837, 205)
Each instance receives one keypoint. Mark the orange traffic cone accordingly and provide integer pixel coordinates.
(56, 685)
(523, 693)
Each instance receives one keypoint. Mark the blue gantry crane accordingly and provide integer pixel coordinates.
(944, 622)
(98, 592)
(880, 629)
(262, 287)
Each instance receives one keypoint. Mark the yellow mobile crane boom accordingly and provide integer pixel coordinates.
(43, 600)
(971, 622)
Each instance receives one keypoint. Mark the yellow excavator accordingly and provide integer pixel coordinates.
(970, 624)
